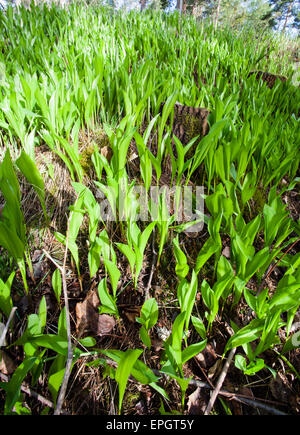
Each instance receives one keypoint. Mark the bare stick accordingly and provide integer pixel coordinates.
(30, 392)
(220, 382)
(271, 268)
(63, 388)
(255, 403)
(53, 261)
(3, 335)
(147, 290)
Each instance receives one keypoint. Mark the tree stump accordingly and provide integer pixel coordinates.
(268, 78)
(189, 122)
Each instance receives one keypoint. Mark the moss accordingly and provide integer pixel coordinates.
(130, 399)
(189, 123)
(99, 140)
(192, 126)
(53, 189)
(86, 157)
(259, 198)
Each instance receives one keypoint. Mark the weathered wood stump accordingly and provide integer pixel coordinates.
(189, 122)
(268, 78)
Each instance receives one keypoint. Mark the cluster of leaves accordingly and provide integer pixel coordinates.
(74, 79)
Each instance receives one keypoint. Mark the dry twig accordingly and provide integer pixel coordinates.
(30, 392)
(63, 388)
(147, 290)
(3, 335)
(220, 382)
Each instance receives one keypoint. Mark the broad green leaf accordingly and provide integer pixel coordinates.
(5, 295)
(57, 284)
(87, 342)
(114, 274)
(245, 335)
(108, 303)
(145, 337)
(123, 371)
(43, 313)
(51, 341)
(129, 254)
(192, 350)
(33, 176)
(13, 389)
(199, 326)
(56, 375)
(209, 248)
(181, 268)
(254, 367)
(149, 313)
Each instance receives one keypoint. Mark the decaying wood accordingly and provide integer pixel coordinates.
(268, 78)
(189, 122)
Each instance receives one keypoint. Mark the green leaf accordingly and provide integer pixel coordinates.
(192, 350)
(206, 143)
(129, 254)
(5, 295)
(181, 268)
(43, 313)
(210, 300)
(57, 284)
(114, 274)
(174, 343)
(13, 389)
(209, 248)
(245, 335)
(186, 294)
(62, 324)
(140, 371)
(108, 304)
(240, 362)
(287, 294)
(33, 176)
(123, 371)
(254, 367)
(56, 375)
(199, 326)
(51, 341)
(87, 342)
(149, 313)
(145, 337)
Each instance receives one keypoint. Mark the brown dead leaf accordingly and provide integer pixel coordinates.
(226, 252)
(280, 388)
(105, 324)
(196, 403)
(106, 152)
(157, 290)
(88, 318)
(157, 344)
(207, 357)
(132, 313)
(7, 366)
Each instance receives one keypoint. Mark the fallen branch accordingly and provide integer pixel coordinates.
(63, 388)
(220, 382)
(271, 268)
(3, 335)
(255, 403)
(147, 290)
(30, 392)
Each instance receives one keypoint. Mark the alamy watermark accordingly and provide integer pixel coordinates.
(296, 335)
(180, 204)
